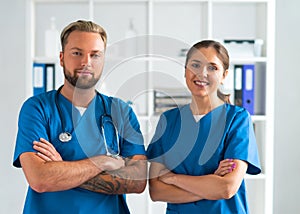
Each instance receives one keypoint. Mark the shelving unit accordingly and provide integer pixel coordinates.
(164, 27)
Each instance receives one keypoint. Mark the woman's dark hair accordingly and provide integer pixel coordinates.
(222, 54)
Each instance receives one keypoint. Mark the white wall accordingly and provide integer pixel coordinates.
(12, 93)
(287, 115)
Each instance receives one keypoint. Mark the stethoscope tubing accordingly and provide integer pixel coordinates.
(66, 136)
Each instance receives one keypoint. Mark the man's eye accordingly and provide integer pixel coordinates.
(76, 53)
(96, 56)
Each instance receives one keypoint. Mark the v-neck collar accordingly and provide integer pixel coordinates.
(190, 113)
(75, 113)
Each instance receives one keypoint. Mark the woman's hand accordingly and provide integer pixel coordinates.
(226, 166)
(46, 150)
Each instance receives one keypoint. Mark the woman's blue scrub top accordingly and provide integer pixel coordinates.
(39, 117)
(196, 148)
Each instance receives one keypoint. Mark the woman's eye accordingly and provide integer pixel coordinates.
(212, 68)
(195, 65)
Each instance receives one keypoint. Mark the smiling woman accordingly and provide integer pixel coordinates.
(206, 66)
(201, 168)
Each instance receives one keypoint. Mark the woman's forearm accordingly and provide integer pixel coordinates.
(160, 191)
(211, 187)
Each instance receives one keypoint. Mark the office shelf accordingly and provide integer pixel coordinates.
(165, 28)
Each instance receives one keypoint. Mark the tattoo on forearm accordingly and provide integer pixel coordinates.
(129, 179)
(98, 184)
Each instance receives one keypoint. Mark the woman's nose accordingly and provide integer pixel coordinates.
(202, 71)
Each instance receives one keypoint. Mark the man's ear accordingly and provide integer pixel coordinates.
(61, 58)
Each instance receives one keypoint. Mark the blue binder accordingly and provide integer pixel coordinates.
(248, 87)
(43, 77)
(39, 80)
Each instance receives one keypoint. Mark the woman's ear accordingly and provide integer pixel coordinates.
(225, 73)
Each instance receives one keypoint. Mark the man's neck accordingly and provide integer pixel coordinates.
(78, 97)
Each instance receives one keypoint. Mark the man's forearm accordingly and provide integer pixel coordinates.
(49, 176)
(129, 179)
(56, 175)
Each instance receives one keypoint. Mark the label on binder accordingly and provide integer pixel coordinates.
(249, 79)
(38, 76)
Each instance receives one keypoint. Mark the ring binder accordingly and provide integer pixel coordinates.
(43, 77)
(244, 86)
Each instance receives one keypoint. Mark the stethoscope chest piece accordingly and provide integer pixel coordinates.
(65, 137)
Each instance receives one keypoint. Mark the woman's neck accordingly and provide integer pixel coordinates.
(200, 106)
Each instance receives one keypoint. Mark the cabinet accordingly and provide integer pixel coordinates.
(152, 60)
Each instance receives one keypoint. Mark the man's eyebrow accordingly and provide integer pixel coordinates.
(96, 51)
(75, 48)
(79, 49)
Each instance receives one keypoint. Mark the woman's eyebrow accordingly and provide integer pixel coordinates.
(196, 60)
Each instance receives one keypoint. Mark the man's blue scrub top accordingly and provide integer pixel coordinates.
(196, 148)
(39, 117)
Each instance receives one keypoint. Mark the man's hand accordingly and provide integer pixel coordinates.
(47, 152)
(109, 163)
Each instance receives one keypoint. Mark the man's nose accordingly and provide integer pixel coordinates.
(86, 60)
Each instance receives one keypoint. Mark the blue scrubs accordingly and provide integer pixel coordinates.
(39, 117)
(195, 148)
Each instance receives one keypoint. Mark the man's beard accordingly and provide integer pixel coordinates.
(81, 82)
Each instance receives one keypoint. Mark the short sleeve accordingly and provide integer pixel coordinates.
(241, 142)
(155, 149)
(129, 129)
(31, 126)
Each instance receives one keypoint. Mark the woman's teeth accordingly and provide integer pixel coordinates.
(201, 83)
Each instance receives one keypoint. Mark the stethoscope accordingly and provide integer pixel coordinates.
(105, 118)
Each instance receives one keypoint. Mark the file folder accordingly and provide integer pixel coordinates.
(50, 76)
(238, 85)
(248, 88)
(39, 81)
(43, 77)
(228, 84)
